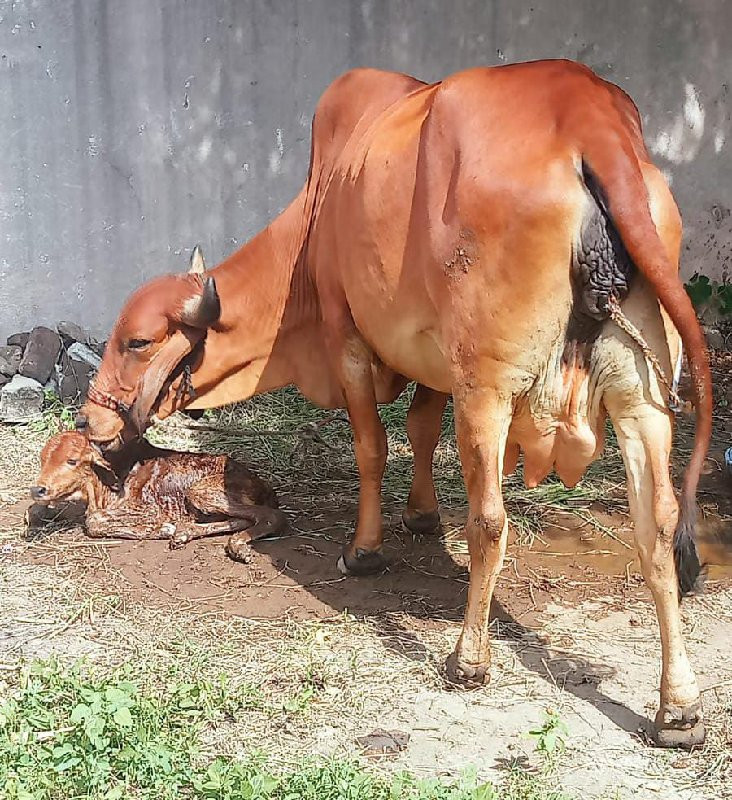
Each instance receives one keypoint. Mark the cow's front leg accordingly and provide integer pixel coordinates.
(482, 420)
(645, 439)
(364, 554)
(424, 422)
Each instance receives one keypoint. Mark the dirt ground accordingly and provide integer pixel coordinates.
(574, 630)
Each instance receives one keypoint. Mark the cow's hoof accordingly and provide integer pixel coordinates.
(361, 562)
(680, 727)
(419, 523)
(471, 676)
(239, 549)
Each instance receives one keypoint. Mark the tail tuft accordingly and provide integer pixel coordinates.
(689, 570)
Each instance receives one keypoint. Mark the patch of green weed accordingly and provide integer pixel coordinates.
(70, 733)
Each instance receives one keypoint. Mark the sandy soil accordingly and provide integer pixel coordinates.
(574, 631)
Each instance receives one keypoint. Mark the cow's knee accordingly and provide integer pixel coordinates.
(485, 533)
(371, 450)
(486, 527)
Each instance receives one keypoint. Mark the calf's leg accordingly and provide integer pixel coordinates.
(261, 522)
(424, 422)
(482, 419)
(125, 523)
(248, 522)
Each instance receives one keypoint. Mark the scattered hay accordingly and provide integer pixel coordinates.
(308, 453)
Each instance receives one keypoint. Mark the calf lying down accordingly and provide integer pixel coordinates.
(165, 495)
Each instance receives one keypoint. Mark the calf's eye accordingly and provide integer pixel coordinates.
(72, 462)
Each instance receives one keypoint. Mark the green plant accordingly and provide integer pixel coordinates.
(67, 733)
(55, 416)
(551, 737)
(706, 293)
(70, 733)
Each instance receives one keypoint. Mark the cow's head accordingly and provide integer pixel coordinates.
(153, 345)
(67, 465)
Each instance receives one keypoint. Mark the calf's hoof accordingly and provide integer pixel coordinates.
(361, 562)
(239, 549)
(680, 727)
(176, 538)
(471, 676)
(177, 542)
(420, 523)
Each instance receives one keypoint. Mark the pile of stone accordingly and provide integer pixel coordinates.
(31, 364)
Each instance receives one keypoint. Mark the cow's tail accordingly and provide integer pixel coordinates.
(617, 171)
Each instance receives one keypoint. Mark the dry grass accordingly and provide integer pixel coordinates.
(313, 686)
(308, 452)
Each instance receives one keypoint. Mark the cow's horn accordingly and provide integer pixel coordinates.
(198, 263)
(204, 309)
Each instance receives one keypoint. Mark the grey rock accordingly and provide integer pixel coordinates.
(19, 340)
(10, 357)
(80, 352)
(71, 332)
(715, 339)
(76, 368)
(21, 399)
(40, 355)
(97, 347)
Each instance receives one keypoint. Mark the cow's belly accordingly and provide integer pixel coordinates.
(402, 329)
(415, 353)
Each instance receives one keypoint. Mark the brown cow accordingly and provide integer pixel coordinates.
(474, 236)
(167, 495)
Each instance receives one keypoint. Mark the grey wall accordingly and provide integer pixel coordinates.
(133, 129)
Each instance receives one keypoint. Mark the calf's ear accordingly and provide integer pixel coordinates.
(103, 469)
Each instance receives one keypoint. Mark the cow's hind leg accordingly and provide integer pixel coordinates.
(482, 421)
(644, 434)
(424, 422)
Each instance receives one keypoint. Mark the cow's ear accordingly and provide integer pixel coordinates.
(198, 263)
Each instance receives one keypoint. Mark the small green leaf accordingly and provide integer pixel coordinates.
(699, 289)
(79, 713)
(123, 717)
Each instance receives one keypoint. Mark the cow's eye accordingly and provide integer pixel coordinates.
(72, 462)
(139, 344)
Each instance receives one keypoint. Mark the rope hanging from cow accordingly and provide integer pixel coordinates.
(617, 316)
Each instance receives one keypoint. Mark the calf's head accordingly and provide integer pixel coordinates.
(68, 462)
(142, 371)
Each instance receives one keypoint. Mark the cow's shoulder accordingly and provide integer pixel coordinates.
(355, 99)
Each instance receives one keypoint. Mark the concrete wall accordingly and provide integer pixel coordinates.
(132, 129)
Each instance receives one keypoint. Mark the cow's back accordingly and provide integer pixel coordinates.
(450, 226)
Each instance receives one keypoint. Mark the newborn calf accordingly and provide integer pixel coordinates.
(165, 495)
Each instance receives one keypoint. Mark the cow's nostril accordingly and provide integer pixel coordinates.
(38, 492)
(81, 422)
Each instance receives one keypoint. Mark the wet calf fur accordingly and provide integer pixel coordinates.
(163, 495)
